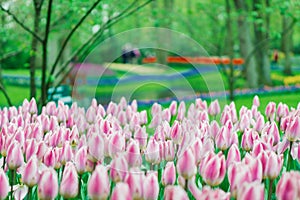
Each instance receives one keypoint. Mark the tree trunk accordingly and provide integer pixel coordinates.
(286, 43)
(44, 86)
(246, 46)
(229, 50)
(34, 46)
(262, 42)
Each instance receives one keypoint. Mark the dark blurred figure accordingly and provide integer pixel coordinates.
(275, 56)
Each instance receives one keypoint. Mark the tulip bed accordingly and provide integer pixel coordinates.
(199, 152)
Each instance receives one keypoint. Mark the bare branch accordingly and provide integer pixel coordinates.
(126, 12)
(10, 54)
(21, 23)
(70, 35)
(5, 94)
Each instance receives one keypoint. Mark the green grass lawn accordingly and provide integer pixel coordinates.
(157, 89)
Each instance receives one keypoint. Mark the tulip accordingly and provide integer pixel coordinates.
(155, 109)
(214, 129)
(69, 182)
(135, 180)
(116, 144)
(176, 132)
(208, 193)
(288, 186)
(14, 156)
(152, 152)
(32, 109)
(256, 101)
(169, 174)
(121, 192)
(233, 155)
(270, 111)
(4, 189)
(20, 192)
(197, 150)
(186, 164)
(254, 167)
(31, 148)
(141, 136)
(96, 147)
(248, 138)
(223, 138)
(173, 108)
(175, 192)
(293, 130)
(213, 168)
(271, 163)
(181, 111)
(48, 184)
(118, 168)
(237, 175)
(80, 160)
(282, 111)
(30, 175)
(133, 154)
(98, 184)
(66, 154)
(253, 190)
(169, 150)
(50, 158)
(151, 187)
(91, 115)
(260, 123)
(214, 108)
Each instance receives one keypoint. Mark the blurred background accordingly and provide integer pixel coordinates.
(77, 50)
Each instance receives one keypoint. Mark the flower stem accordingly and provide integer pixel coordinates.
(270, 189)
(186, 187)
(29, 193)
(289, 158)
(12, 179)
(4, 162)
(79, 187)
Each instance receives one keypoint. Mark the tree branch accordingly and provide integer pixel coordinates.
(5, 94)
(70, 35)
(21, 24)
(10, 54)
(126, 12)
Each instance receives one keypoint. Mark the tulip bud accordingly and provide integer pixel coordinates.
(270, 111)
(233, 155)
(151, 187)
(96, 147)
(214, 108)
(213, 168)
(133, 154)
(48, 184)
(256, 101)
(118, 168)
(173, 108)
(175, 192)
(186, 164)
(152, 152)
(293, 130)
(116, 144)
(30, 175)
(169, 174)
(81, 159)
(135, 180)
(69, 182)
(253, 190)
(288, 186)
(98, 184)
(4, 184)
(14, 156)
(121, 192)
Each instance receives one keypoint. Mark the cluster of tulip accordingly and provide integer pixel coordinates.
(201, 152)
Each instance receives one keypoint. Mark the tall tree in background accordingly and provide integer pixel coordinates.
(54, 74)
(288, 22)
(261, 32)
(246, 45)
(37, 5)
